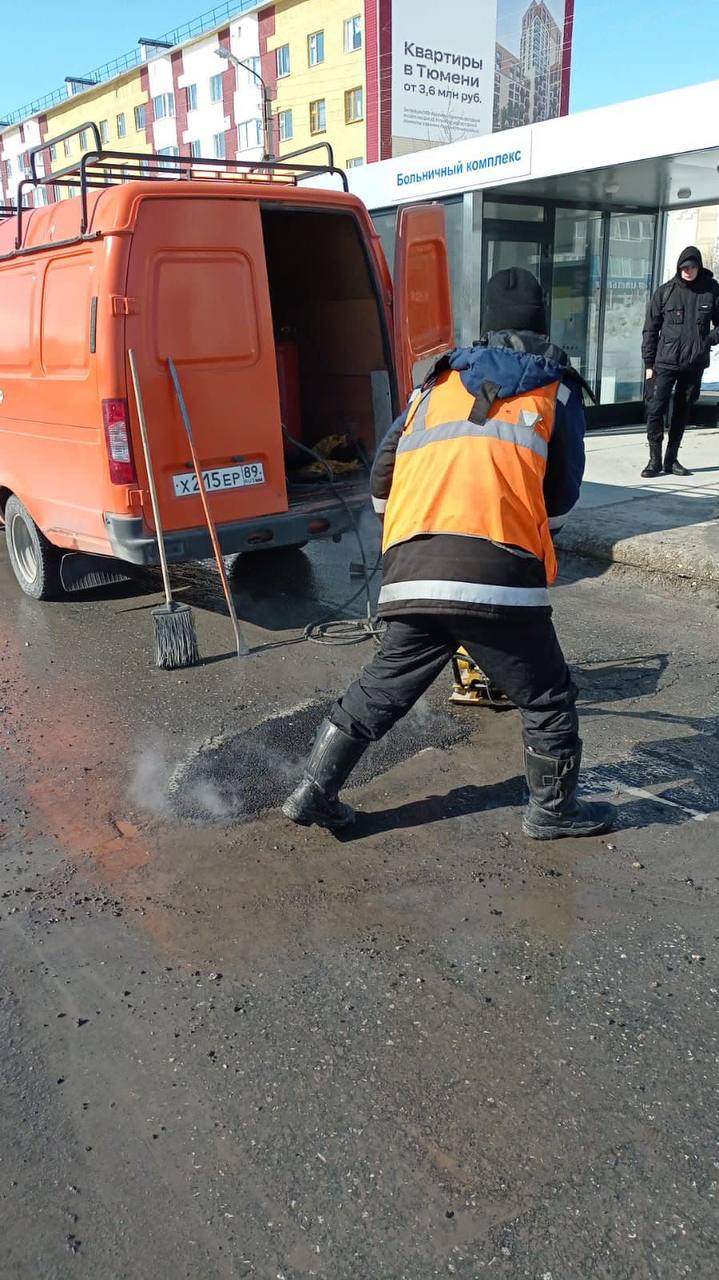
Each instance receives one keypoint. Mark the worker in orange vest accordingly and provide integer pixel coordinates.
(472, 482)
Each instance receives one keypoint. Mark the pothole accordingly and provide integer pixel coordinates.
(240, 776)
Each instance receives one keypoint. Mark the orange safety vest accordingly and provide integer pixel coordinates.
(477, 479)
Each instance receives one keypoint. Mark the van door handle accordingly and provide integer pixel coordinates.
(122, 306)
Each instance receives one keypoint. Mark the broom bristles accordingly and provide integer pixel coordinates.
(175, 637)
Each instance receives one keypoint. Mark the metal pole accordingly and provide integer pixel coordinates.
(242, 649)
(266, 101)
(267, 122)
(150, 476)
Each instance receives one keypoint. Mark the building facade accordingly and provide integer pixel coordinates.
(597, 206)
(373, 78)
(313, 56)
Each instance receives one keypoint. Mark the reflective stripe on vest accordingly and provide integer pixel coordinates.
(463, 593)
(481, 479)
(518, 433)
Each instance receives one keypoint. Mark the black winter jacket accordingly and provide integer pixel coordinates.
(682, 321)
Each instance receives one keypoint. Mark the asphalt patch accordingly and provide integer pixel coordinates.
(243, 775)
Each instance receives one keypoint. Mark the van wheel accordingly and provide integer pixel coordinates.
(35, 561)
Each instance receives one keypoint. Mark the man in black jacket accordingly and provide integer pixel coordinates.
(682, 324)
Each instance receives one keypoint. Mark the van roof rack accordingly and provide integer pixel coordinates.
(99, 168)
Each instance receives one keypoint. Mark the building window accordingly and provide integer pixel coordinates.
(66, 147)
(219, 147)
(84, 140)
(318, 116)
(249, 134)
(104, 131)
(191, 97)
(163, 106)
(195, 149)
(354, 105)
(53, 153)
(168, 151)
(316, 48)
(40, 197)
(141, 117)
(353, 34)
(216, 88)
(286, 130)
(250, 65)
(121, 126)
(355, 162)
(8, 165)
(283, 60)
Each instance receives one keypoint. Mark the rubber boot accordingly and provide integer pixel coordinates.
(654, 465)
(671, 466)
(332, 758)
(554, 810)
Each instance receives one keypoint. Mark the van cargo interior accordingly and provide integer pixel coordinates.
(332, 363)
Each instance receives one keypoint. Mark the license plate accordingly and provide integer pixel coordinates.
(219, 479)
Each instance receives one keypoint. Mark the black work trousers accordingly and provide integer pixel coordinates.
(658, 394)
(521, 657)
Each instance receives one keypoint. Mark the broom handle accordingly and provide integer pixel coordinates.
(150, 477)
(241, 646)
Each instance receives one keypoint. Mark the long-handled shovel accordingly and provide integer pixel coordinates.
(175, 636)
(242, 649)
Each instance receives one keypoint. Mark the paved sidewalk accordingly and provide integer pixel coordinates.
(668, 525)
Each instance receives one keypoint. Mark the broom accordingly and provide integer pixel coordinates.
(175, 636)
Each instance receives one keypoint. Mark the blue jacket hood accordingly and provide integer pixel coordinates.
(514, 371)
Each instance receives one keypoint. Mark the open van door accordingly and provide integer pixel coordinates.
(423, 319)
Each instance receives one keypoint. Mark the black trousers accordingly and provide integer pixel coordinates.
(658, 393)
(523, 658)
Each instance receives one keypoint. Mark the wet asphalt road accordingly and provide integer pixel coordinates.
(233, 1048)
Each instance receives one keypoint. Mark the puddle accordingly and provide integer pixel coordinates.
(243, 775)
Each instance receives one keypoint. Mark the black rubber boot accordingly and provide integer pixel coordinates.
(654, 465)
(671, 466)
(554, 810)
(333, 757)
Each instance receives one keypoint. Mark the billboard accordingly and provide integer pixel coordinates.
(532, 61)
(498, 64)
(442, 71)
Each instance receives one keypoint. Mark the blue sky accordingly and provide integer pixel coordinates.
(622, 48)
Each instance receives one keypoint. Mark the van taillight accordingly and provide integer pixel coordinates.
(119, 447)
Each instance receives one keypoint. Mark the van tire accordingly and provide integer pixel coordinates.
(35, 561)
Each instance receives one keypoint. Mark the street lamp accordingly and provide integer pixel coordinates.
(266, 100)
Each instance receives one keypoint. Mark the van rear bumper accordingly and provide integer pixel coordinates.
(133, 542)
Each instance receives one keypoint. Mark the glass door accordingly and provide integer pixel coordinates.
(517, 235)
(628, 285)
(576, 287)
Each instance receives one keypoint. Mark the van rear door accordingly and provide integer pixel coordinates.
(197, 291)
(423, 318)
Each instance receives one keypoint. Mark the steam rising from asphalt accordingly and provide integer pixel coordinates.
(241, 775)
(155, 780)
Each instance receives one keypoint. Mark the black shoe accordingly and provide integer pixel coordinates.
(554, 810)
(333, 757)
(654, 465)
(677, 469)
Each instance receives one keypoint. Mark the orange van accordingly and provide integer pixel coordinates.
(275, 301)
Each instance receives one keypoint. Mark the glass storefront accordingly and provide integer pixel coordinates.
(576, 287)
(595, 268)
(628, 286)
